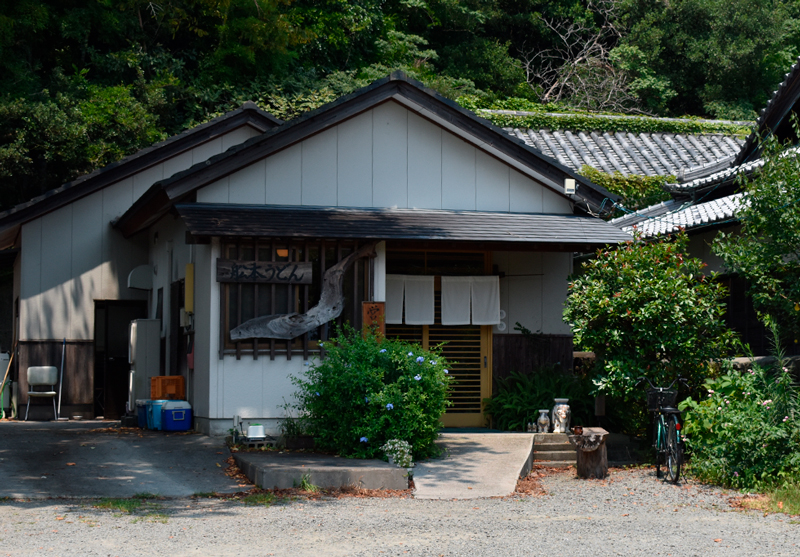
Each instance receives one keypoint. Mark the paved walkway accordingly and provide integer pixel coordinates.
(87, 459)
(474, 465)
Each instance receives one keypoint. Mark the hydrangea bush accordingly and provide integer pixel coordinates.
(744, 432)
(368, 390)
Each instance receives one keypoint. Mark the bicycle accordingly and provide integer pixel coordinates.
(667, 427)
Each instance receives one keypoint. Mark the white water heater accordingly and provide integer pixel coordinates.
(144, 356)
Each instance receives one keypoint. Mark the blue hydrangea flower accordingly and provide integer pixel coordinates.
(417, 377)
(420, 359)
(318, 393)
(382, 350)
(410, 354)
(432, 362)
(446, 371)
(363, 439)
(390, 406)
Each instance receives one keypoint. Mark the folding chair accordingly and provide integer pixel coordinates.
(42, 376)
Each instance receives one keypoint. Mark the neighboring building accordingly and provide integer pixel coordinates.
(242, 220)
(706, 201)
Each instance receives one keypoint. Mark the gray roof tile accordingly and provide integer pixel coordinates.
(670, 216)
(647, 154)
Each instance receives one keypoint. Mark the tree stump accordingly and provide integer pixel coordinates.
(592, 453)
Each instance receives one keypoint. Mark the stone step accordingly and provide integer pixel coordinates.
(555, 455)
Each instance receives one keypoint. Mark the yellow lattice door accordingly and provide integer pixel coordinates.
(468, 350)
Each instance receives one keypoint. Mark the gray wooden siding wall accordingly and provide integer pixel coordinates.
(386, 157)
(71, 256)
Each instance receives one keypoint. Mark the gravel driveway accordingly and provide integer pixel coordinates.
(631, 513)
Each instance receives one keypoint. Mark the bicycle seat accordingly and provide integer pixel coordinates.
(669, 410)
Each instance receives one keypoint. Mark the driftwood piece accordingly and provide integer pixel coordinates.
(292, 325)
(592, 459)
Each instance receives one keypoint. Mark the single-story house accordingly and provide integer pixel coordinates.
(249, 242)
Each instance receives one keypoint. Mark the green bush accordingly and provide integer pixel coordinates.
(520, 396)
(368, 390)
(647, 309)
(745, 433)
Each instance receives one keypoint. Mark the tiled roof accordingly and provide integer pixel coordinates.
(652, 223)
(644, 154)
(727, 175)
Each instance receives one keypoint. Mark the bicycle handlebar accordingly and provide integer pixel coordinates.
(679, 378)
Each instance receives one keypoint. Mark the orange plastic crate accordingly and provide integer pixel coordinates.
(168, 387)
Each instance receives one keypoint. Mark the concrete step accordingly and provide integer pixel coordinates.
(545, 447)
(555, 455)
(554, 463)
(550, 438)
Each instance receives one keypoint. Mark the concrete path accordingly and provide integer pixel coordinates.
(474, 465)
(88, 459)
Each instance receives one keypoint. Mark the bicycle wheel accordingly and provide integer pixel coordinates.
(674, 450)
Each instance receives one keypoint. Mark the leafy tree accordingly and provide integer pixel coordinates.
(647, 309)
(718, 57)
(766, 250)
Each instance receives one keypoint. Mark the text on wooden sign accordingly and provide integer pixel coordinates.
(270, 272)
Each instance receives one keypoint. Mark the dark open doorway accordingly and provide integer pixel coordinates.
(111, 368)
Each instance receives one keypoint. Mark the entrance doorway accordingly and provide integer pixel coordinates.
(467, 348)
(111, 368)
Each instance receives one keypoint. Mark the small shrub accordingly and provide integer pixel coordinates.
(744, 434)
(370, 389)
(399, 451)
(520, 396)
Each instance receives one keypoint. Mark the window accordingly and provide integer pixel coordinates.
(244, 301)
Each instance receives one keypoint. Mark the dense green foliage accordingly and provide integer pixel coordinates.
(84, 82)
(556, 117)
(743, 432)
(646, 309)
(520, 396)
(765, 250)
(369, 390)
(636, 191)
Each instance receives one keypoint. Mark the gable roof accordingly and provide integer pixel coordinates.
(397, 87)
(774, 117)
(644, 154)
(247, 114)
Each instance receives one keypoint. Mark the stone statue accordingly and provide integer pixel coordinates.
(561, 415)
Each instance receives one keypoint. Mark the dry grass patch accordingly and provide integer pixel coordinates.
(785, 500)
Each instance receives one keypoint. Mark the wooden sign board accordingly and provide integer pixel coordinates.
(268, 272)
(373, 314)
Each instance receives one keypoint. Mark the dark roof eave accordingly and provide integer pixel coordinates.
(205, 220)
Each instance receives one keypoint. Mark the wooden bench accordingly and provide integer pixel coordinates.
(592, 453)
